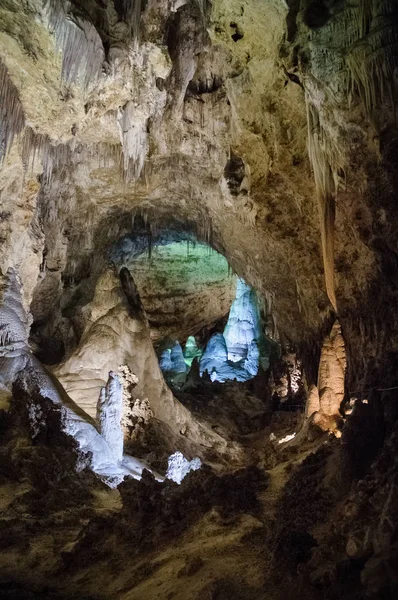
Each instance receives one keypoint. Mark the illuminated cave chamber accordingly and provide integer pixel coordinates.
(188, 288)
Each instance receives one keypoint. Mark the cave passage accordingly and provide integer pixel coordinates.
(200, 310)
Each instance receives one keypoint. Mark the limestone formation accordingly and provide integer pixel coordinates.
(114, 337)
(179, 466)
(312, 404)
(109, 411)
(331, 373)
(17, 362)
(235, 354)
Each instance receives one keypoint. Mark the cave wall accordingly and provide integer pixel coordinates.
(346, 57)
(184, 287)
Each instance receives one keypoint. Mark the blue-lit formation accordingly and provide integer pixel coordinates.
(191, 350)
(235, 353)
(172, 361)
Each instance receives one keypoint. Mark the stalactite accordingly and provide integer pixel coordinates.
(133, 134)
(149, 243)
(325, 160)
(82, 49)
(12, 119)
(37, 145)
(372, 62)
(106, 154)
(368, 50)
(132, 15)
(204, 229)
(203, 8)
(371, 49)
(83, 53)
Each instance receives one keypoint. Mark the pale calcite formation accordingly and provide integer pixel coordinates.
(113, 337)
(109, 411)
(105, 452)
(312, 403)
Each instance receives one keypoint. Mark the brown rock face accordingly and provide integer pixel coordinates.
(184, 287)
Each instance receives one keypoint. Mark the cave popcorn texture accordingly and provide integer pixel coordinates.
(235, 354)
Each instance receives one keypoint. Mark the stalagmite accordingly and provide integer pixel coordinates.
(331, 373)
(214, 357)
(191, 350)
(243, 324)
(110, 409)
(325, 400)
(312, 404)
(16, 357)
(235, 354)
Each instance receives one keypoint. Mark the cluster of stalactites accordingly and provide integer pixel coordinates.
(82, 61)
(39, 147)
(133, 137)
(132, 14)
(78, 40)
(12, 119)
(145, 221)
(368, 54)
(372, 49)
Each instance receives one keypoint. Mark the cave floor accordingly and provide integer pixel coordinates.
(217, 557)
